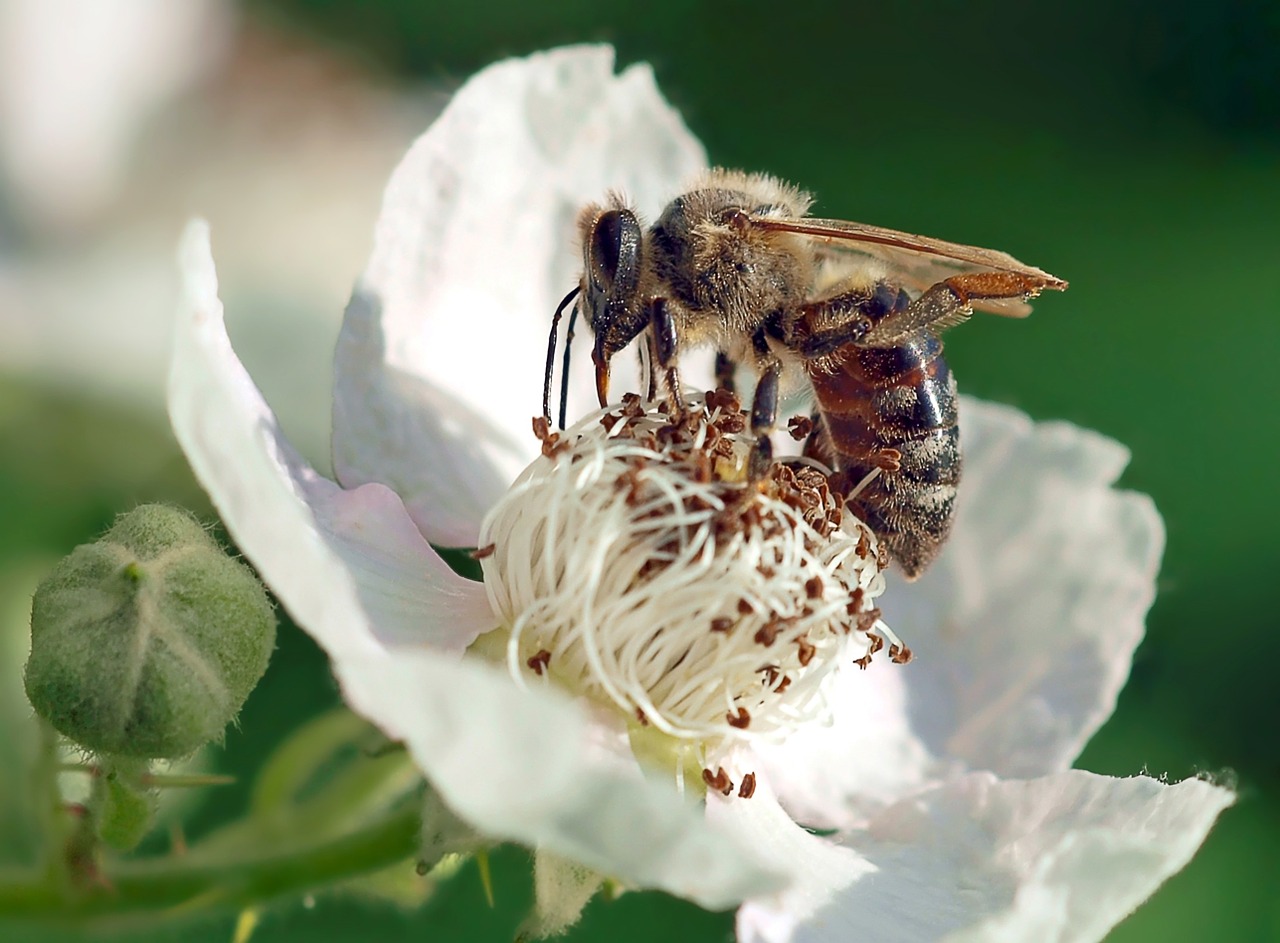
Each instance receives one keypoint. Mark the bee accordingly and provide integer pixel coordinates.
(855, 311)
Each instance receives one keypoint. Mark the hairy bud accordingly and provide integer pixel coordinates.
(147, 642)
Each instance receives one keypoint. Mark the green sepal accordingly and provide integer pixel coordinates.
(123, 806)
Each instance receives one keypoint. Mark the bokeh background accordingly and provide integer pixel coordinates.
(1131, 146)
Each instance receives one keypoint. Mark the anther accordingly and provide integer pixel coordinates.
(748, 787)
(719, 780)
(539, 662)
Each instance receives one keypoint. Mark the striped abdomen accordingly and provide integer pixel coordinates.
(897, 398)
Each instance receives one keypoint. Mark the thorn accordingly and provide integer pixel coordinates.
(486, 877)
(185, 781)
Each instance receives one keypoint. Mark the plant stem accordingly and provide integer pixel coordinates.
(158, 887)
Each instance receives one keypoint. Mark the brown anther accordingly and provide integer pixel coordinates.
(865, 620)
(783, 685)
(722, 624)
(813, 587)
(723, 399)
(806, 651)
(539, 662)
(863, 550)
(748, 787)
(900, 654)
(855, 601)
(640, 716)
(741, 720)
(767, 634)
(732, 422)
(609, 420)
(877, 643)
(863, 662)
(481, 552)
(541, 428)
(552, 446)
(800, 427)
(745, 608)
(719, 780)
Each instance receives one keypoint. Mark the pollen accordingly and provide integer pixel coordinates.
(634, 565)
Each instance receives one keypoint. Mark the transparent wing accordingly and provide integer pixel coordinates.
(919, 261)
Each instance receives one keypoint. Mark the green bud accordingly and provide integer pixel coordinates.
(147, 642)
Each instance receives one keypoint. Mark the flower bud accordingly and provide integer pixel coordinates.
(147, 642)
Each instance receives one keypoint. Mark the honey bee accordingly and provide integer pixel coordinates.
(854, 311)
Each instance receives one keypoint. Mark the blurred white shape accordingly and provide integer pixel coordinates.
(284, 148)
(77, 80)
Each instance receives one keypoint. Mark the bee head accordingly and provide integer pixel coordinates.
(612, 245)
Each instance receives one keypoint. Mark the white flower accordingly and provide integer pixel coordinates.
(946, 783)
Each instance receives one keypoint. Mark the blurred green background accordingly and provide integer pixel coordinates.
(1132, 147)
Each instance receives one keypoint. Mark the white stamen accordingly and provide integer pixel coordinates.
(634, 566)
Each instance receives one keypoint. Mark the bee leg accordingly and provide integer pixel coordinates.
(725, 369)
(648, 370)
(764, 410)
(951, 301)
(666, 349)
(821, 343)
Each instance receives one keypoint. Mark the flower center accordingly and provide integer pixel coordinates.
(634, 565)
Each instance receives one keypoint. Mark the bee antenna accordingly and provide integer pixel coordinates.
(564, 367)
(551, 357)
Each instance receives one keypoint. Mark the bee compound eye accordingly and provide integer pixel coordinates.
(606, 248)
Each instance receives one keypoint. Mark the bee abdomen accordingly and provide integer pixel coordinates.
(901, 399)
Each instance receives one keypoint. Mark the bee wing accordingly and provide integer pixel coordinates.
(919, 261)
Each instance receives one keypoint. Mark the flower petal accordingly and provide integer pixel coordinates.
(820, 870)
(352, 570)
(302, 531)
(440, 361)
(1024, 631)
(1059, 859)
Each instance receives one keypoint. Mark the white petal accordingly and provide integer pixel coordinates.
(1060, 859)
(440, 362)
(1024, 631)
(834, 776)
(352, 570)
(304, 533)
(820, 870)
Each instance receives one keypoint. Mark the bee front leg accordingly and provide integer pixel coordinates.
(666, 349)
(764, 409)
